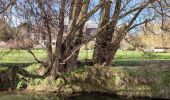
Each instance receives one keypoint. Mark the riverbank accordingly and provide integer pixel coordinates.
(147, 81)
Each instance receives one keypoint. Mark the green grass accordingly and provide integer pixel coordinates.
(129, 55)
(22, 56)
(140, 55)
(3, 69)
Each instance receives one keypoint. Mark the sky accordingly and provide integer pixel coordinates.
(95, 18)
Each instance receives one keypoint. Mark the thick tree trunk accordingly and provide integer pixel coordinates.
(58, 51)
(103, 40)
(73, 40)
(105, 54)
(67, 49)
(72, 62)
(65, 57)
(106, 49)
(108, 42)
(102, 50)
(61, 64)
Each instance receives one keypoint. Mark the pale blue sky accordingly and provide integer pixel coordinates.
(95, 18)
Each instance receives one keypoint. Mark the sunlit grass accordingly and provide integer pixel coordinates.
(22, 56)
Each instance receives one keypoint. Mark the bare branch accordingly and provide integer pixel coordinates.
(12, 2)
(137, 8)
(34, 56)
(144, 22)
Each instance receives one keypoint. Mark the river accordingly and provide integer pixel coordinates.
(32, 96)
(84, 96)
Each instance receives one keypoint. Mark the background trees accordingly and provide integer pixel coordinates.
(5, 31)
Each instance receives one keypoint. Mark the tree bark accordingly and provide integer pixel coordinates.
(106, 52)
(73, 40)
(102, 50)
(108, 44)
(58, 50)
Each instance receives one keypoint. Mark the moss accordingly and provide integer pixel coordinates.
(32, 68)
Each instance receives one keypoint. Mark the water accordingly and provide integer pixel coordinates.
(21, 96)
(15, 96)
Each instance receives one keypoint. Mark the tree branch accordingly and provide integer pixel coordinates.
(34, 56)
(137, 8)
(85, 18)
(144, 22)
(12, 2)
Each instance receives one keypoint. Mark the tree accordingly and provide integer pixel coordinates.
(47, 18)
(124, 19)
(64, 58)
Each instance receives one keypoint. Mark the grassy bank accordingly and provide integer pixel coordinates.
(150, 81)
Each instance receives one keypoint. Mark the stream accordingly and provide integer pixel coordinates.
(83, 96)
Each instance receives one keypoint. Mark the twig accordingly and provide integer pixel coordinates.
(34, 56)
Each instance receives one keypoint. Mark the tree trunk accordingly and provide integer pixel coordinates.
(106, 48)
(58, 55)
(67, 50)
(102, 50)
(68, 47)
(108, 42)
(71, 63)
(73, 40)
(103, 40)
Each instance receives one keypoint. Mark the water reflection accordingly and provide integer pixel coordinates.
(85, 96)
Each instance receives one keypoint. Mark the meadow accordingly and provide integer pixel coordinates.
(22, 56)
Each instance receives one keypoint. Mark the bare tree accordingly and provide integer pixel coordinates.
(116, 28)
(48, 19)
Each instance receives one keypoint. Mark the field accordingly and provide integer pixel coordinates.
(22, 56)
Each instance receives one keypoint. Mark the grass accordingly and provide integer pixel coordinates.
(130, 55)
(140, 55)
(22, 56)
(3, 69)
(150, 81)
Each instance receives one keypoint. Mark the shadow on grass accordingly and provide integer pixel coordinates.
(131, 63)
(10, 65)
(13, 74)
(18, 68)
